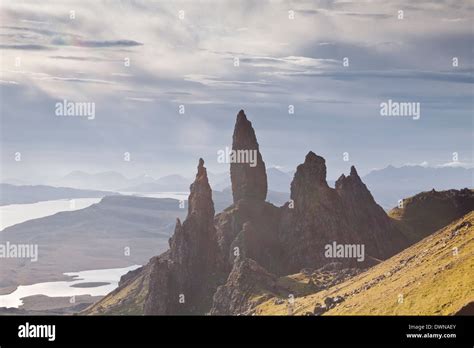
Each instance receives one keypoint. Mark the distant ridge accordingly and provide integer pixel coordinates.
(14, 194)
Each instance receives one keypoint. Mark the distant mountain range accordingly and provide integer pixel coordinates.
(25, 194)
(390, 184)
(100, 181)
(167, 183)
(387, 185)
(277, 181)
(13, 194)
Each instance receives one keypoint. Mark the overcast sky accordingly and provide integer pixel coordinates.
(185, 53)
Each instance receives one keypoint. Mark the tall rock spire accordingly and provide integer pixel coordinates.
(200, 197)
(187, 270)
(197, 230)
(247, 169)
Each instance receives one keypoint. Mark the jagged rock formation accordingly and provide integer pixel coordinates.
(248, 285)
(183, 279)
(224, 264)
(319, 215)
(176, 278)
(369, 221)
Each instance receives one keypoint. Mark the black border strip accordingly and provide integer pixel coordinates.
(327, 330)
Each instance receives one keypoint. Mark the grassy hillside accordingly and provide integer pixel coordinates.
(427, 278)
(128, 299)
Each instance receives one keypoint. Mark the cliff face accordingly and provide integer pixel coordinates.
(313, 218)
(369, 222)
(319, 215)
(219, 264)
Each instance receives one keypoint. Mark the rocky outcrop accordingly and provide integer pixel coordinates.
(318, 216)
(312, 218)
(183, 280)
(369, 222)
(226, 264)
(163, 293)
(285, 240)
(193, 244)
(249, 178)
(248, 285)
(249, 228)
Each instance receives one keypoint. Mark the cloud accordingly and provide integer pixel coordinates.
(61, 41)
(328, 101)
(217, 82)
(58, 38)
(8, 82)
(36, 30)
(453, 164)
(341, 74)
(454, 19)
(290, 62)
(26, 47)
(456, 164)
(358, 15)
(282, 62)
(76, 79)
(367, 15)
(422, 164)
(140, 99)
(276, 166)
(83, 59)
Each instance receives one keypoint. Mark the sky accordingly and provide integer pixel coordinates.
(142, 63)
